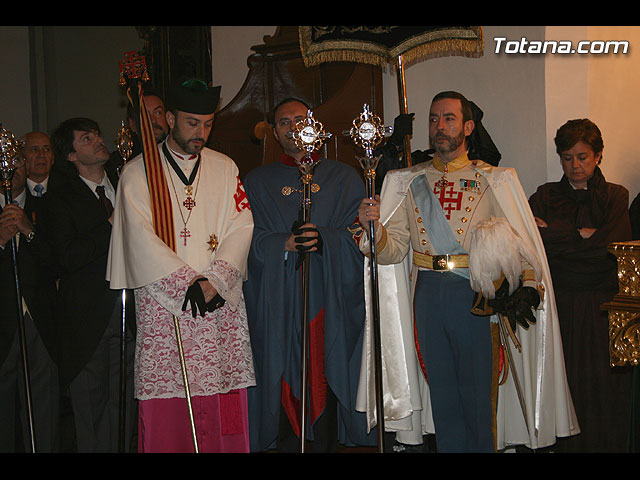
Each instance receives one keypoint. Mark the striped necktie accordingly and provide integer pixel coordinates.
(106, 203)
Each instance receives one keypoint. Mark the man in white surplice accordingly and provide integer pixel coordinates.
(213, 227)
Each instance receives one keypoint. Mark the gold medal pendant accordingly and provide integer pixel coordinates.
(189, 202)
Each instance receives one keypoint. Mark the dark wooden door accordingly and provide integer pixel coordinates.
(336, 92)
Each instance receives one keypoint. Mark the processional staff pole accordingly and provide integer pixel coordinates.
(402, 96)
(9, 161)
(308, 136)
(367, 132)
(133, 69)
(124, 144)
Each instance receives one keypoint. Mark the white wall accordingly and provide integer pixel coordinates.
(614, 105)
(525, 97)
(508, 88)
(603, 88)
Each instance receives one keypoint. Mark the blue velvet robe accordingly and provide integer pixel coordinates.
(273, 294)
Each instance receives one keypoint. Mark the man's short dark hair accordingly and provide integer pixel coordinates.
(284, 102)
(63, 135)
(147, 92)
(467, 112)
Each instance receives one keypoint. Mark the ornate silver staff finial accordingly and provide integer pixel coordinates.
(308, 135)
(9, 155)
(124, 144)
(367, 132)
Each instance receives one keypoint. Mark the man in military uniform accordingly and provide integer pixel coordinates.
(429, 212)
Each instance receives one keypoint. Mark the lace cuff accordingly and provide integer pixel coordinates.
(227, 281)
(170, 290)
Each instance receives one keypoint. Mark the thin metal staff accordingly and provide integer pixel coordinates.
(9, 161)
(132, 69)
(308, 136)
(367, 132)
(185, 379)
(124, 144)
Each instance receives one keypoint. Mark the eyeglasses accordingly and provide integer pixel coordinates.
(286, 122)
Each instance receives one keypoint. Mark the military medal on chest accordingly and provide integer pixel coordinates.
(471, 185)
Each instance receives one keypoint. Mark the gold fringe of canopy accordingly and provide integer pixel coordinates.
(383, 44)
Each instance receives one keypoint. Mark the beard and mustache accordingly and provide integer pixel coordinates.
(192, 145)
(451, 144)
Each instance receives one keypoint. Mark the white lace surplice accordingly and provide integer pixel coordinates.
(216, 347)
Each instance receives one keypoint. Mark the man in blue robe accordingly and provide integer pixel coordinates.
(273, 294)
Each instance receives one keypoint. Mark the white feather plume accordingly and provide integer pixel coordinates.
(497, 248)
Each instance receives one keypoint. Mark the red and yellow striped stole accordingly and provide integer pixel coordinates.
(161, 209)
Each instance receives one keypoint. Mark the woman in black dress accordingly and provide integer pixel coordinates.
(579, 216)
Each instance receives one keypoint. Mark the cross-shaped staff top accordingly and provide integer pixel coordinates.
(368, 130)
(309, 134)
(133, 66)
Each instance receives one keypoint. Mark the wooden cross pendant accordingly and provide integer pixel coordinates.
(185, 233)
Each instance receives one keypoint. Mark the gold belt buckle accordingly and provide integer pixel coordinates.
(441, 262)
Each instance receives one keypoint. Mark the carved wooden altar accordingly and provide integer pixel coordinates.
(624, 308)
(335, 91)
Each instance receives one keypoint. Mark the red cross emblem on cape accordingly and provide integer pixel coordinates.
(242, 202)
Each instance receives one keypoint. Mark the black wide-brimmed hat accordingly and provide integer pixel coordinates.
(193, 96)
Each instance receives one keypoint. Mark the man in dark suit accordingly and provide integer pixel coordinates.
(78, 217)
(21, 219)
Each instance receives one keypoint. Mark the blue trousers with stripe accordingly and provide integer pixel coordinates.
(456, 348)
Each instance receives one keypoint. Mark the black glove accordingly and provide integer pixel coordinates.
(195, 296)
(402, 126)
(299, 239)
(517, 306)
(215, 303)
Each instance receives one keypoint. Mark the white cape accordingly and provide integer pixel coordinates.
(540, 364)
